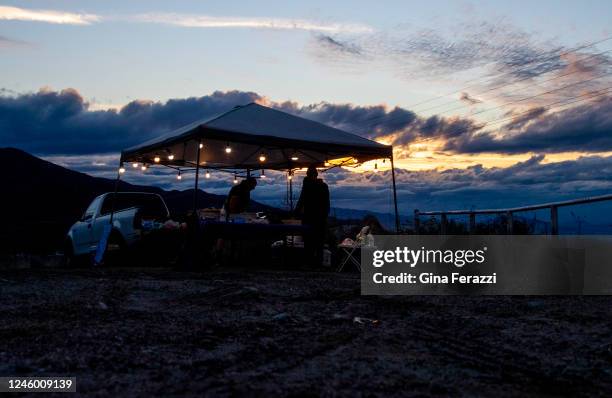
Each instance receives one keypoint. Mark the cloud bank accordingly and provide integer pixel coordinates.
(60, 122)
(586, 128)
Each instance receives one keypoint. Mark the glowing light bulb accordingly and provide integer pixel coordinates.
(201, 145)
(156, 159)
(235, 180)
(228, 149)
(179, 176)
(294, 158)
(121, 170)
(171, 157)
(326, 163)
(207, 175)
(143, 167)
(134, 165)
(290, 177)
(262, 158)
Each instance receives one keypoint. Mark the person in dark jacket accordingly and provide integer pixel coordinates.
(239, 196)
(313, 206)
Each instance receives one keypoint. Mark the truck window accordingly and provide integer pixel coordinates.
(149, 205)
(91, 210)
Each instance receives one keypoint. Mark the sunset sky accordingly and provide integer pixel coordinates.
(486, 103)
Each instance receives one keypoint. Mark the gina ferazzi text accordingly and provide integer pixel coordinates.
(430, 278)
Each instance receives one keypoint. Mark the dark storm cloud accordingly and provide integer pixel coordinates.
(399, 125)
(50, 122)
(371, 121)
(524, 117)
(59, 122)
(584, 128)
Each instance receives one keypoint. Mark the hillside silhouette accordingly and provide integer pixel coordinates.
(41, 200)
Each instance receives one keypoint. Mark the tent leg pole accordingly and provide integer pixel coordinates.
(197, 177)
(397, 220)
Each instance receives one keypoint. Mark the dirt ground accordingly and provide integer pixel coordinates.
(136, 332)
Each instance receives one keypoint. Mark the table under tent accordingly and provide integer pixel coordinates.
(247, 141)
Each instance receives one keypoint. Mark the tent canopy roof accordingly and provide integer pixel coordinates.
(253, 131)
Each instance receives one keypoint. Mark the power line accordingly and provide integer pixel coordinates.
(515, 71)
(523, 99)
(492, 78)
(564, 102)
(534, 96)
(514, 82)
(572, 100)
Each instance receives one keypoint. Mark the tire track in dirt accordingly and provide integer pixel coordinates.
(514, 365)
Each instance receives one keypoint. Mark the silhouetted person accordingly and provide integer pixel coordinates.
(313, 206)
(239, 196)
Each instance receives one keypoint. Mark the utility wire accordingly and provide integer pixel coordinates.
(564, 102)
(514, 82)
(490, 79)
(520, 100)
(534, 96)
(515, 71)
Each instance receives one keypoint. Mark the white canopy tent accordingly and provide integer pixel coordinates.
(253, 137)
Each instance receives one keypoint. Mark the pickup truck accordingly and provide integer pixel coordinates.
(131, 210)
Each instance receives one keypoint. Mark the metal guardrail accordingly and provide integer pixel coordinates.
(509, 212)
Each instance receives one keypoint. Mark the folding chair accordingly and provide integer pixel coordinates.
(352, 252)
(349, 255)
